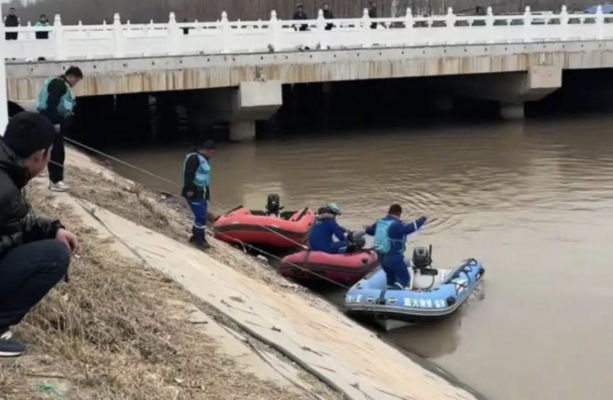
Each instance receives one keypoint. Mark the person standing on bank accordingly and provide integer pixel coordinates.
(12, 21)
(57, 102)
(197, 189)
(34, 252)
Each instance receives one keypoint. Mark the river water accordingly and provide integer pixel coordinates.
(532, 200)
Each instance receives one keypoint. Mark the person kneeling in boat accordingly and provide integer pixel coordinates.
(325, 229)
(196, 189)
(390, 244)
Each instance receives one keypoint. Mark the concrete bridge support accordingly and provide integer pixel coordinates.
(251, 102)
(240, 106)
(513, 89)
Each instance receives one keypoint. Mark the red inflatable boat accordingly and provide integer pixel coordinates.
(342, 268)
(288, 231)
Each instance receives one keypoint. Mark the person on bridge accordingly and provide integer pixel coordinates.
(326, 228)
(12, 21)
(197, 189)
(42, 22)
(328, 15)
(372, 13)
(300, 15)
(57, 103)
(34, 252)
(390, 244)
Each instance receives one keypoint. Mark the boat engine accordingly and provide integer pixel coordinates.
(422, 260)
(273, 205)
(357, 239)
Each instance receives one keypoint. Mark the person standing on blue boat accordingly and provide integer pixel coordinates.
(390, 244)
(326, 229)
(197, 189)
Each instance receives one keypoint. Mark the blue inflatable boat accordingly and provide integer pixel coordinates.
(433, 293)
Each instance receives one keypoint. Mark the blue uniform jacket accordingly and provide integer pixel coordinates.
(398, 232)
(322, 235)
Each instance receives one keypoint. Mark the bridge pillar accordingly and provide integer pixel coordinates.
(512, 111)
(242, 131)
(253, 101)
(512, 89)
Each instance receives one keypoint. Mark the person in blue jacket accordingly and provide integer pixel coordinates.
(325, 229)
(197, 189)
(390, 244)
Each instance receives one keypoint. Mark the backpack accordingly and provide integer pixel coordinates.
(382, 244)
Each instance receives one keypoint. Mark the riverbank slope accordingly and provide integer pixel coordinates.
(145, 316)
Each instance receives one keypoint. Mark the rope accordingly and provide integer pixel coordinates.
(151, 174)
(245, 245)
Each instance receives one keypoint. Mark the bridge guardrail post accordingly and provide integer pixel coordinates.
(527, 21)
(489, 24)
(450, 19)
(599, 23)
(409, 22)
(366, 30)
(58, 33)
(174, 39)
(564, 34)
(275, 30)
(30, 34)
(118, 49)
(224, 26)
(321, 30)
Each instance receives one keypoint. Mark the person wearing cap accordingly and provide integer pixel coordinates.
(197, 189)
(300, 15)
(326, 228)
(57, 102)
(34, 251)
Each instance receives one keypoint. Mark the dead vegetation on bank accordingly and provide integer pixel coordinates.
(109, 333)
(163, 214)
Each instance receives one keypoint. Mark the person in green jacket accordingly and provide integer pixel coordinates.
(42, 22)
(57, 103)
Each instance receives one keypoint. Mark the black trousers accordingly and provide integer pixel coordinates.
(27, 273)
(11, 35)
(58, 156)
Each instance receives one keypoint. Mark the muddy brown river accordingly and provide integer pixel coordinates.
(532, 200)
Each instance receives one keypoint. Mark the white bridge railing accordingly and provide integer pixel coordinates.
(121, 40)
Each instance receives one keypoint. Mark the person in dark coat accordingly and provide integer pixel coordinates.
(372, 13)
(12, 21)
(34, 251)
(300, 15)
(328, 15)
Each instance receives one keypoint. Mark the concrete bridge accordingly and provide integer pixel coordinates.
(508, 58)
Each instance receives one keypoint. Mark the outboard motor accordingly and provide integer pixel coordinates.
(273, 205)
(422, 260)
(358, 239)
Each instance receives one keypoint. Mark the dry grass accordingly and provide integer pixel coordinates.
(109, 335)
(166, 215)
